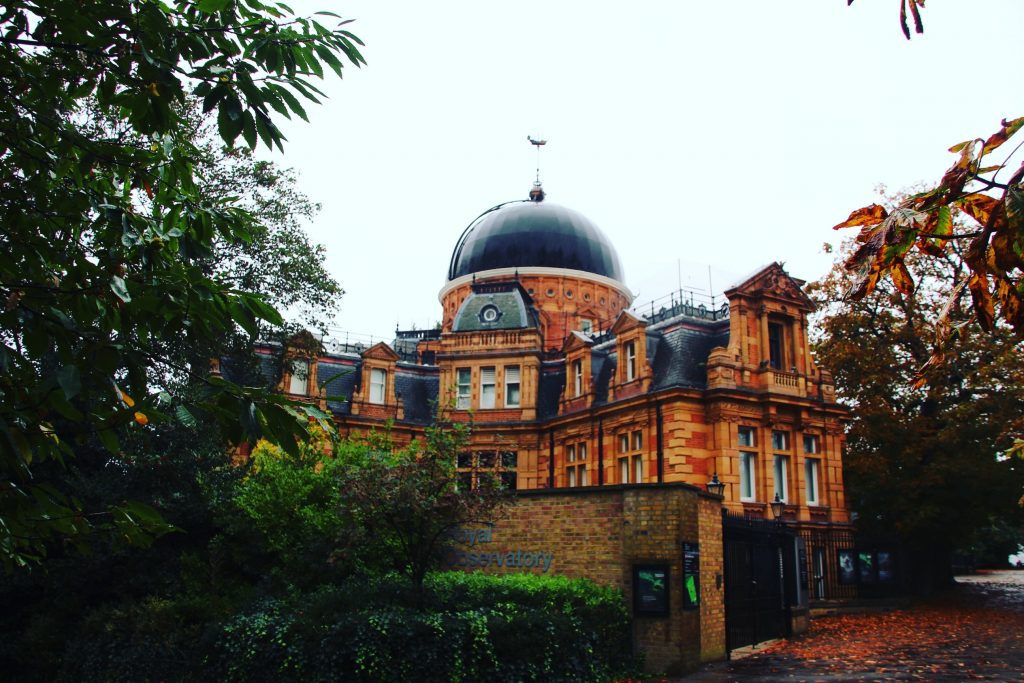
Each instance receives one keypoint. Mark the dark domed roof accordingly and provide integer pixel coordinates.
(534, 233)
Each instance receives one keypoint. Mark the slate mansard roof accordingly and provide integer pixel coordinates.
(495, 306)
(678, 354)
(677, 348)
(340, 374)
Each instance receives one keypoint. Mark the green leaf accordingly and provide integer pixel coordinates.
(212, 6)
(263, 310)
(292, 101)
(268, 132)
(211, 98)
(70, 381)
(328, 56)
(229, 126)
(109, 439)
(185, 417)
(944, 221)
(120, 289)
(59, 403)
(243, 315)
(249, 129)
(1014, 204)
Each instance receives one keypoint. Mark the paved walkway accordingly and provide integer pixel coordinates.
(975, 632)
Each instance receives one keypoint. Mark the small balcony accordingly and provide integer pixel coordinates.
(781, 382)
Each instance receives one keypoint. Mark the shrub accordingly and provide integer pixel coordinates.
(474, 627)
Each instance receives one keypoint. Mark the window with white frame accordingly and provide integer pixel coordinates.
(629, 349)
(512, 386)
(747, 437)
(748, 487)
(577, 377)
(300, 377)
(812, 477)
(487, 387)
(780, 440)
(463, 378)
(811, 443)
(378, 381)
(586, 326)
(781, 475)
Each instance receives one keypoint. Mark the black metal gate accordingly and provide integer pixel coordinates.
(760, 585)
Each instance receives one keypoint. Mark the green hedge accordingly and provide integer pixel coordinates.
(466, 627)
(471, 627)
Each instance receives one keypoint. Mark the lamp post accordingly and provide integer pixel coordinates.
(714, 486)
(777, 506)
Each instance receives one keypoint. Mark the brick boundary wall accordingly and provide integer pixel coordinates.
(600, 533)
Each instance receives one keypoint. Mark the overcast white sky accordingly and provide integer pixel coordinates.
(721, 134)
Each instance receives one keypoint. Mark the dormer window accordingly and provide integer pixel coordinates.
(629, 349)
(490, 314)
(378, 381)
(577, 377)
(300, 377)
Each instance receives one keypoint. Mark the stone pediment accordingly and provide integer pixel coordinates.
(626, 322)
(381, 351)
(576, 340)
(773, 281)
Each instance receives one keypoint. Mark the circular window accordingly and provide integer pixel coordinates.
(568, 294)
(530, 291)
(489, 314)
(602, 301)
(586, 296)
(550, 292)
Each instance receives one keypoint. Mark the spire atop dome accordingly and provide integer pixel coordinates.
(537, 192)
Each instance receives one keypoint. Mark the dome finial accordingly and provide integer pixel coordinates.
(537, 192)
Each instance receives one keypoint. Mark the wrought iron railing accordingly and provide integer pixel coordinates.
(434, 333)
(684, 302)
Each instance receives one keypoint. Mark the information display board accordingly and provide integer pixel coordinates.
(650, 590)
(691, 575)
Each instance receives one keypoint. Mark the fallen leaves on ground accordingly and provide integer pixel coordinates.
(975, 632)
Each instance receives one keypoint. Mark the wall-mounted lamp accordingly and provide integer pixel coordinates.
(714, 486)
(777, 506)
